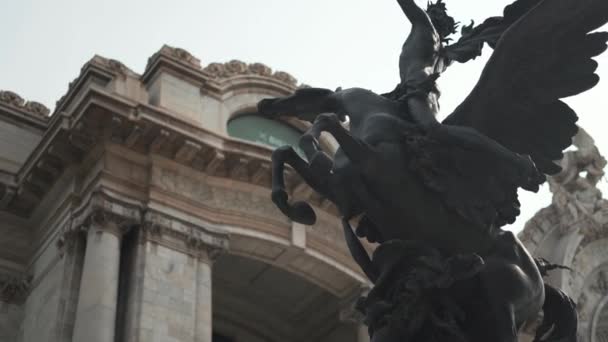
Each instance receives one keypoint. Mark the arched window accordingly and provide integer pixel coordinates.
(256, 128)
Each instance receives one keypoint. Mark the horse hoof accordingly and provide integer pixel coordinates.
(303, 213)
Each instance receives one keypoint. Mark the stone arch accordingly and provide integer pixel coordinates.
(305, 283)
(587, 260)
(560, 247)
(599, 326)
(295, 257)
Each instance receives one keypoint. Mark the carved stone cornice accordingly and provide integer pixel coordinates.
(11, 99)
(14, 290)
(93, 113)
(101, 211)
(184, 236)
(233, 68)
(179, 55)
(112, 65)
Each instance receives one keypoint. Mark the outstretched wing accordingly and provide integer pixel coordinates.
(543, 57)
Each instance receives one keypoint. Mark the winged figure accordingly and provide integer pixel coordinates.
(453, 184)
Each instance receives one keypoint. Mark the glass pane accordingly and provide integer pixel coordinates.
(264, 131)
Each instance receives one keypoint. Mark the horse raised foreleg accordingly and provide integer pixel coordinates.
(357, 151)
(299, 211)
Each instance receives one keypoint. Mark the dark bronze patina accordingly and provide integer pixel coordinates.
(435, 195)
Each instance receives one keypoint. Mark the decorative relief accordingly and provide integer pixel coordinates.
(236, 68)
(177, 54)
(215, 197)
(575, 191)
(600, 286)
(69, 238)
(14, 100)
(175, 182)
(285, 77)
(112, 65)
(577, 204)
(196, 240)
(260, 69)
(11, 98)
(14, 290)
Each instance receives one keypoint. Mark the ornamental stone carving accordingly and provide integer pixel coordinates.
(14, 290)
(37, 108)
(577, 204)
(12, 99)
(178, 234)
(574, 189)
(112, 65)
(260, 69)
(235, 68)
(177, 54)
(600, 285)
(285, 77)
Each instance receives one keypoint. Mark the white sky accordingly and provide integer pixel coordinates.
(324, 43)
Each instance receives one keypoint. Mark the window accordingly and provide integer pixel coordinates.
(265, 131)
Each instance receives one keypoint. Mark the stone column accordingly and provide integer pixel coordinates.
(71, 249)
(203, 322)
(96, 310)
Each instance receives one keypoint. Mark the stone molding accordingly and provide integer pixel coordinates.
(179, 55)
(109, 214)
(14, 290)
(233, 68)
(72, 131)
(218, 72)
(102, 212)
(113, 65)
(13, 100)
(180, 235)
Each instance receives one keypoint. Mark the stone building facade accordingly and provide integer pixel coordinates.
(131, 209)
(573, 231)
(139, 211)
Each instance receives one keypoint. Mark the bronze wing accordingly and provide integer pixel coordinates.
(543, 57)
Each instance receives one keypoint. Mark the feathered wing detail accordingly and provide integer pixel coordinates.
(484, 193)
(543, 57)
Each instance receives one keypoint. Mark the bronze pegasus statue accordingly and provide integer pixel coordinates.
(434, 194)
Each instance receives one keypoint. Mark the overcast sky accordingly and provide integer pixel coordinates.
(325, 43)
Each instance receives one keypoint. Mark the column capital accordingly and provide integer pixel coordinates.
(101, 211)
(201, 242)
(14, 289)
(77, 227)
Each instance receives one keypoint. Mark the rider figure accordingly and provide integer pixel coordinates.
(420, 64)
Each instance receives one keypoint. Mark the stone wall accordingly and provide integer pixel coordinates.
(11, 317)
(41, 306)
(168, 295)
